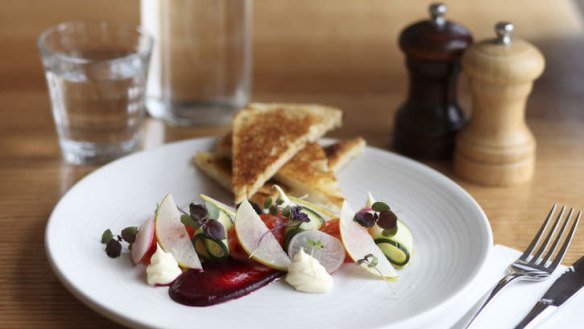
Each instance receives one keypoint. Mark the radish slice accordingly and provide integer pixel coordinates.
(325, 248)
(173, 236)
(358, 244)
(145, 239)
(256, 239)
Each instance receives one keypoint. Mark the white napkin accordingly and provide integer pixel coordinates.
(513, 302)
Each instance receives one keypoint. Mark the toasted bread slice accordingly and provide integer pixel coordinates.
(308, 173)
(266, 136)
(219, 169)
(341, 153)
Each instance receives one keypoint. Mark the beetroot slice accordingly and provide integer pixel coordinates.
(220, 282)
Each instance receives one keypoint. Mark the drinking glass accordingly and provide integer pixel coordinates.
(201, 62)
(96, 74)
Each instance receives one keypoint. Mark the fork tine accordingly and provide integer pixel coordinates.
(533, 243)
(566, 244)
(552, 249)
(551, 232)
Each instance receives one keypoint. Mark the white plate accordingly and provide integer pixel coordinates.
(451, 232)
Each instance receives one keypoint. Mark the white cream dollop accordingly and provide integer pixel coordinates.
(306, 274)
(163, 268)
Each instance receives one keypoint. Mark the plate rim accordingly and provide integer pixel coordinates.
(421, 318)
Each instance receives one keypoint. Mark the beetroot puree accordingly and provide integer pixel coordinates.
(220, 282)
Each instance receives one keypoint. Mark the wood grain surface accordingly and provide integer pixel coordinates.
(338, 52)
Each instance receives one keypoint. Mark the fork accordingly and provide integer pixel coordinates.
(532, 267)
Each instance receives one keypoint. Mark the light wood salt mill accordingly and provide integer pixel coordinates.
(496, 147)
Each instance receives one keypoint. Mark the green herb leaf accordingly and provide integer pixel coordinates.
(279, 202)
(379, 206)
(213, 211)
(273, 210)
(268, 203)
(129, 234)
(286, 212)
(107, 236)
(188, 221)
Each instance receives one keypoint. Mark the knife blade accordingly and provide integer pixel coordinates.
(560, 291)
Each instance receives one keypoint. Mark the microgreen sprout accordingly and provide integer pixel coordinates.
(315, 244)
(371, 261)
(200, 217)
(113, 243)
(379, 214)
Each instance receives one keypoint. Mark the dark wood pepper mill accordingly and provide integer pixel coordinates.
(426, 124)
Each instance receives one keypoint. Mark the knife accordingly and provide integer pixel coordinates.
(561, 290)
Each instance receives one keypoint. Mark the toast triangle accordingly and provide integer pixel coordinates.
(266, 136)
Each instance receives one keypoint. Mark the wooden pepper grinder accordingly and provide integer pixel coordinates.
(496, 147)
(426, 124)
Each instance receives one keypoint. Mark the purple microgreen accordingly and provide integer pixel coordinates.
(188, 221)
(297, 214)
(129, 234)
(268, 203)
(387, 220)
(365, 219)
(214, 229)
(198, 212)
(113, 248)
(379, 206)
(107, 236)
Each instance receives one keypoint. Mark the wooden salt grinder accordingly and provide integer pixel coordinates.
(426, 124)
(496, 147)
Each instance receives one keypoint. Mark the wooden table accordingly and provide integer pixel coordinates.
(357, 68)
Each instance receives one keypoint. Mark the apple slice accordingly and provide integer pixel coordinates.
(325, 248)
(359, 244)
(257, 240)
(145, 239)
(173, 236)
